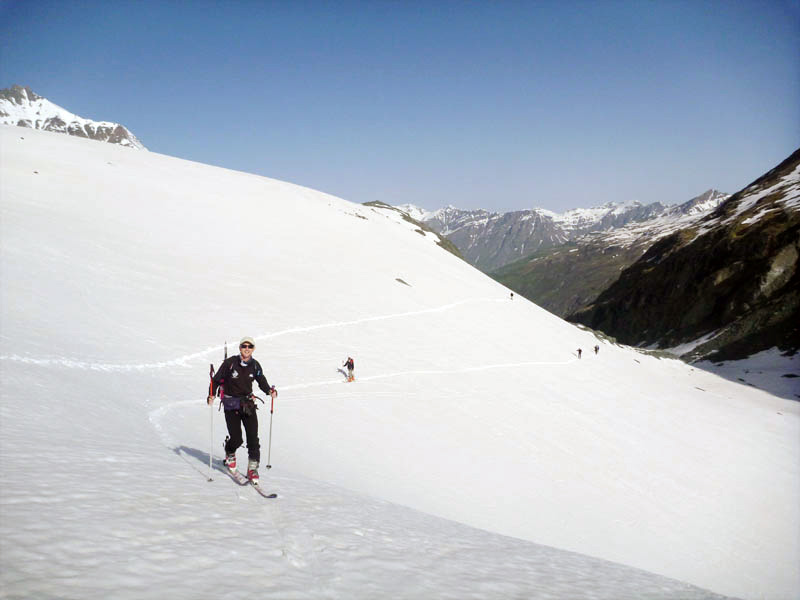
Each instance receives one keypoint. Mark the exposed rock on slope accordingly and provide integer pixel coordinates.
(443, 241)
(728, 286)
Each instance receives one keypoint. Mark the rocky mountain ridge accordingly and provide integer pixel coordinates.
(22, 107)
(723, 288)
(566, 278)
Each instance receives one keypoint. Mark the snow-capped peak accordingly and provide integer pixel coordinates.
(415, 212)
(608, 215)
(22, 107)
(708, 200)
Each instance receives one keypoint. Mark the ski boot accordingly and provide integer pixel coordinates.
(230, 462)
(252, 471)
(230, 457)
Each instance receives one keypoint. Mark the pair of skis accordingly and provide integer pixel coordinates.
(242, 480)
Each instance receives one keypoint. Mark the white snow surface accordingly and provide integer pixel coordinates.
(474, 456)
(768, 370)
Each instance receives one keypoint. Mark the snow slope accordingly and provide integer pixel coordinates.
(471, 418)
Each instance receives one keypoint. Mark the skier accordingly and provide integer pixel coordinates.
(236, 376)
(579, 353)
(596, 349)
(512, 295)
(350, 368)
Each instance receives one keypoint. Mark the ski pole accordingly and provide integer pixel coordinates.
(211, 442)
(271, 410)
(211, 410)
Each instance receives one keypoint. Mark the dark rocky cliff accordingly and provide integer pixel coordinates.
(733, 278)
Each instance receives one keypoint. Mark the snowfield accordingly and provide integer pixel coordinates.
(475, 456)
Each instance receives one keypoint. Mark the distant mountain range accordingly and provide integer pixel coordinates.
(22, 107)
(568, 277)
(492, 240)
(713, 278)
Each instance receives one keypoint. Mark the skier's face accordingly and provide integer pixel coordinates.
(246, 350)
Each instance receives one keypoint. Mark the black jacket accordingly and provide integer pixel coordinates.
(236, 377)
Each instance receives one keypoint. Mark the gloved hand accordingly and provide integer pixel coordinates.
(273, 392)
(211, 399)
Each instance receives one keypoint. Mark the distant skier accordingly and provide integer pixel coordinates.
(236, 376)
(512, 295)
(596, 349)
(351, 366)
(579, 353)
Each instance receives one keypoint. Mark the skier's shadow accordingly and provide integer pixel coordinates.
(185, 452)
(343, 372)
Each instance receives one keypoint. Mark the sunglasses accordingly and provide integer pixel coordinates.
(247, 346)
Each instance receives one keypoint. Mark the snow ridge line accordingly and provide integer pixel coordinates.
(183, 361)
(376, 318)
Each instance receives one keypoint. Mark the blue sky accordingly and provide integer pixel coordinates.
(500, 105)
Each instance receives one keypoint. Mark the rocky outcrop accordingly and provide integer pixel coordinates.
(728, 286)
(497, 239)
(22, 107)
(421, 227)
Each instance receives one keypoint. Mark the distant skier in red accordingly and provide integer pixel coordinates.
(350, 368)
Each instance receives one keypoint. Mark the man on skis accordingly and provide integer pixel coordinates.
(236, 376)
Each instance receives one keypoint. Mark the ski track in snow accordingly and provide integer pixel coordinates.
(297, 386)
(157, 415)
(184, 361)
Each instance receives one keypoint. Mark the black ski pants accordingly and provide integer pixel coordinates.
(234, 419)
